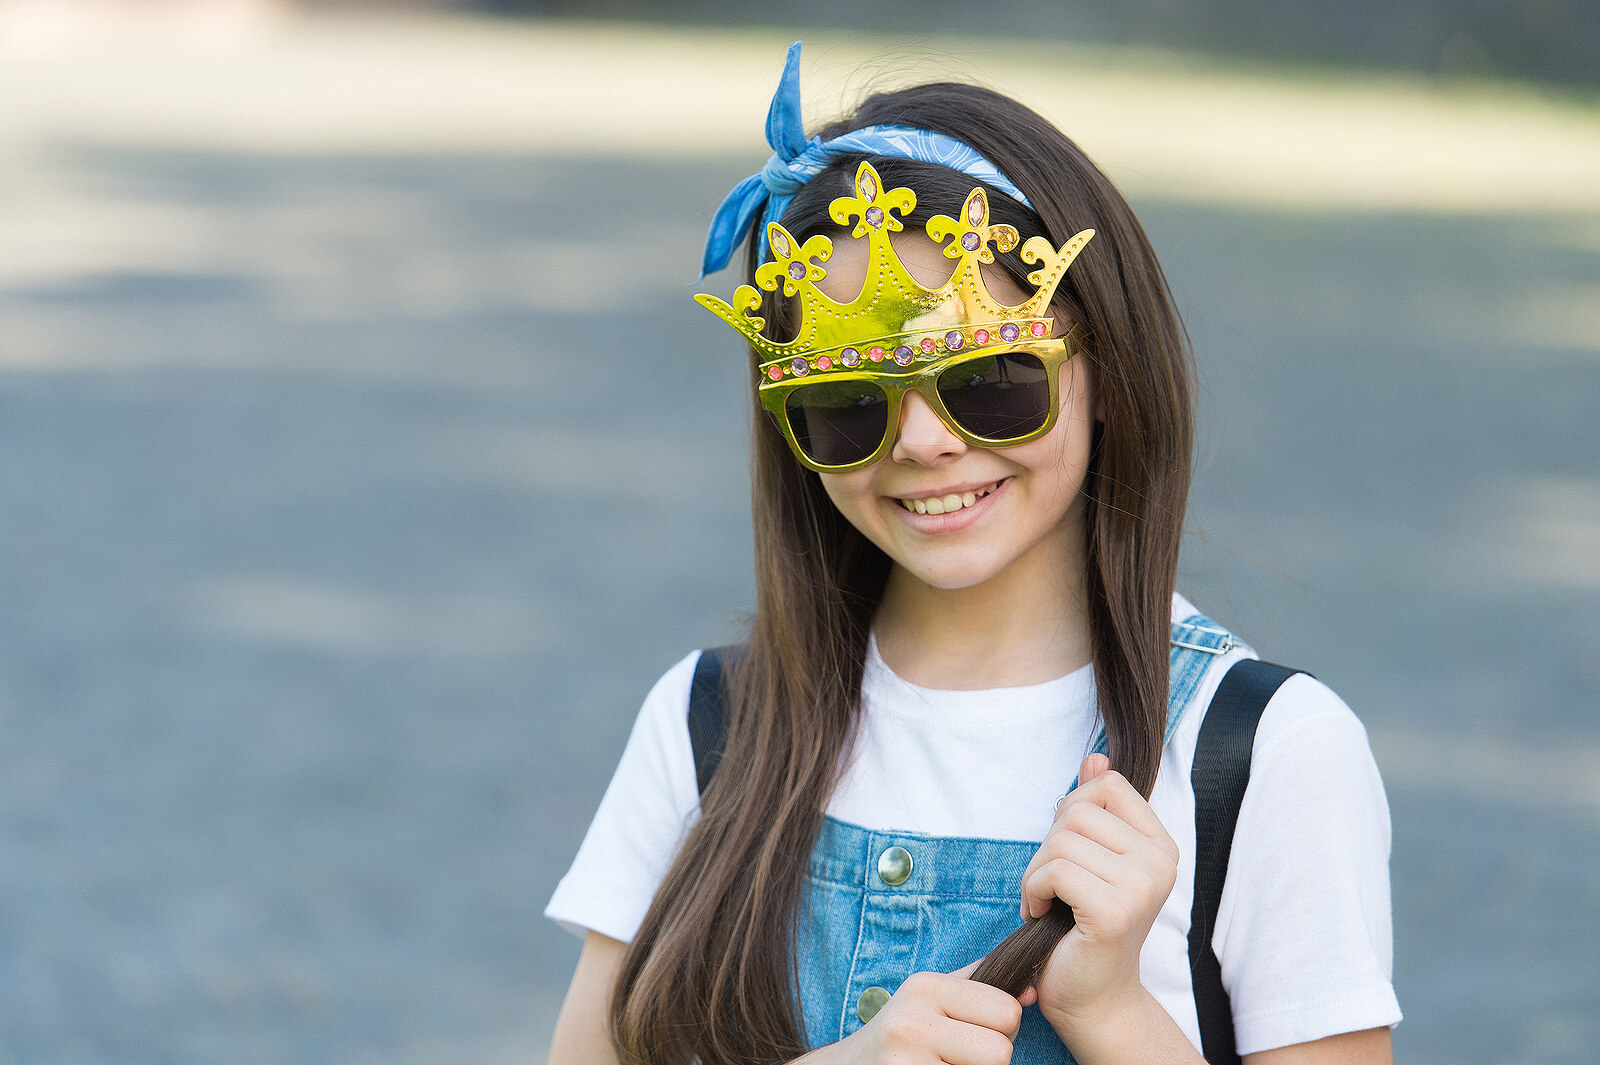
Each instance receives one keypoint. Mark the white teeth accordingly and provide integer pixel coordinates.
(948, 504)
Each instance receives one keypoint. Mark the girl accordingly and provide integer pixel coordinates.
(969, 490)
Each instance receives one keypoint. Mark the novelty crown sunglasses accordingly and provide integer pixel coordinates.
(995, 397)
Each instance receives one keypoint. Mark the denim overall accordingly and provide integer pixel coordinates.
(883, 905)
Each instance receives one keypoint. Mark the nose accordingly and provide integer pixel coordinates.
(923, 436)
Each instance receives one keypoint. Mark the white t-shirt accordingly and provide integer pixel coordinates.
(1303, 933)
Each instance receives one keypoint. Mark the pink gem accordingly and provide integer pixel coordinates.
(869, 187)
(780, 243)
(875, 353)
(928, 345)
(775, 372)
(975, 210)
(980, 336)
(799, 367)
(824, 363)
(1040, 329)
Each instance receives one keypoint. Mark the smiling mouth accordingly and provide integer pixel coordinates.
(947, 504)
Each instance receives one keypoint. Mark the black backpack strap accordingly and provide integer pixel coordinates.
(708, 710)
(1220, 774)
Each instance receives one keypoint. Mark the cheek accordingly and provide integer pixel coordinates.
(1061, 457)
(851, 492)
(1077, 390)
(1069, 440)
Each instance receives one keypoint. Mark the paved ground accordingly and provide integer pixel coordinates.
(347, 511)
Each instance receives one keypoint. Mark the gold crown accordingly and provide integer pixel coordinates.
(896, 325)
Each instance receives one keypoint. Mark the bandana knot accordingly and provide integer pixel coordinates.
(796, 160)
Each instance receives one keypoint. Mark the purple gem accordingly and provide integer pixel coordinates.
(797, 270)
(971, 241)
(850, 356)
(874, 216)
(800, 367)
(953, 340)
(902, 355)
(1008, 332)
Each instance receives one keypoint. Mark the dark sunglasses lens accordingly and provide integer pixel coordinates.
(837, 423)
(998, 397)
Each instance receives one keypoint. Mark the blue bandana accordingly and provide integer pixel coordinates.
(796, 160)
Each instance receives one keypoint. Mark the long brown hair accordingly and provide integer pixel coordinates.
(711, 972)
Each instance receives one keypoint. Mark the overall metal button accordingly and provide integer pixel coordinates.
(894, 866)
(872, 1000)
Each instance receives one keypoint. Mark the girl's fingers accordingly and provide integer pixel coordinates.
(1072, 884)
(1139, 884)
(1107, 829)
(986, 1007)
(1105, 837)
(1112, 792)
(1037, 895)
(914, 1027)
(958, 999)
(1042, 888)
(1106, 846)
(1093, 765)
(1080, 824)
(969, 1044)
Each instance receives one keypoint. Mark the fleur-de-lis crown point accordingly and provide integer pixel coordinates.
(894, 314)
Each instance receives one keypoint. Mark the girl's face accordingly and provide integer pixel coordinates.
(987, 509)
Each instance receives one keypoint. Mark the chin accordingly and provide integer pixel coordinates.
(951, 575)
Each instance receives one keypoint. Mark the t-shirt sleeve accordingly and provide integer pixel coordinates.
(1304, 932)
(649, 805)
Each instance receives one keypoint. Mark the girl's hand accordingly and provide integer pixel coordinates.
(933, 1018)
(1109, 858)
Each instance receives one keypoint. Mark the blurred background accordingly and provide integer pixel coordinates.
(363, 461)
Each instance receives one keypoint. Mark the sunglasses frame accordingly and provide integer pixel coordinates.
(924, 380)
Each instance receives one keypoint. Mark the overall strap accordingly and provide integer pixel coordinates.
(1220, 774)
(1193, 644)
